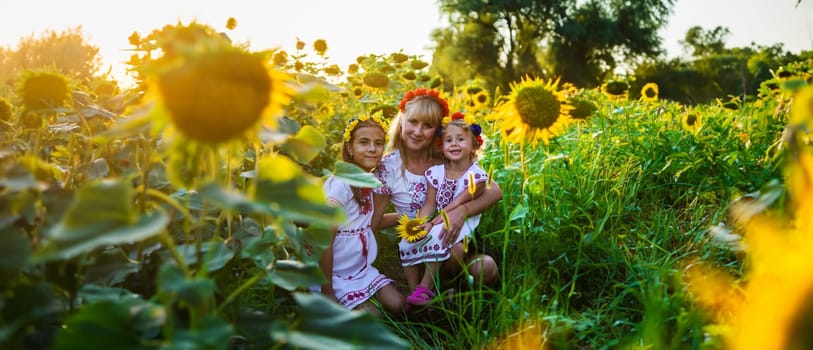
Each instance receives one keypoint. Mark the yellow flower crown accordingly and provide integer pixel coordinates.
(353, 122)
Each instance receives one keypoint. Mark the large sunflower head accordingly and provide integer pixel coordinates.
(221, 94)
(44, 89)
(410, 229)
(534, 110)
(649, 93)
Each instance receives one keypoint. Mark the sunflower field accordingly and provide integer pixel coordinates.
(187, 211)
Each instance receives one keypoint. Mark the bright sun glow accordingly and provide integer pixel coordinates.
(345, 25)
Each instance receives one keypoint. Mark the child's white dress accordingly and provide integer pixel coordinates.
(430, 248)
(354, 248)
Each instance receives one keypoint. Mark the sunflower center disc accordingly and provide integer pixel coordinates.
(538, 107)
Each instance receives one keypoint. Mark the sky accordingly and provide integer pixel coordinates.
(359, 27)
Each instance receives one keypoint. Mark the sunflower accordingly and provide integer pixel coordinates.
(320, 46)
(615, 89)
(527, 336)
(398, 57)
(802, 106)
(43, 90)
(418, 64)
(533, 110)
(221, 95)
(480, 100)
(582, 107)
(280, 58)
(410, 229)
(692, 122)
(649, 93)
(5, 110)
(376, 80)
(776, 310)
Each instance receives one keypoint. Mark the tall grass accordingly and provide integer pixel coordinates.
(595, 228)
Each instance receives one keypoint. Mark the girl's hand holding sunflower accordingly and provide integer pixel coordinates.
(411, 230)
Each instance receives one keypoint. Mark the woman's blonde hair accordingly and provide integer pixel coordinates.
(426, 109)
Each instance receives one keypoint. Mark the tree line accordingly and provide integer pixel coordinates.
(585, 43)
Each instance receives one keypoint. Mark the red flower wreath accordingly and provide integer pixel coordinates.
(423, 91)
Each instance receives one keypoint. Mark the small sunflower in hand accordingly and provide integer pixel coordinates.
(411, 229)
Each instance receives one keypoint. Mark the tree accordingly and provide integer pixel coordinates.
(581, 41)
(705, 42)
(68, 51)
(502, 36)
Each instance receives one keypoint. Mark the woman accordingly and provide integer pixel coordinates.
(412, 152)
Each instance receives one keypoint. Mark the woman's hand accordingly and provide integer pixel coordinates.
(456, 220)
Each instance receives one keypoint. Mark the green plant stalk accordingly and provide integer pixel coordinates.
(173, 250)
(243, 287)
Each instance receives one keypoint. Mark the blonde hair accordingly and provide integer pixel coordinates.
(476, 145)
(426, 109)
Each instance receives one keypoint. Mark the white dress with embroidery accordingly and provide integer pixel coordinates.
(408, 192)
(354, 248)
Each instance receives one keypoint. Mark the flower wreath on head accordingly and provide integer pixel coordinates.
(469, 120)
(353, 122)
(424, 91)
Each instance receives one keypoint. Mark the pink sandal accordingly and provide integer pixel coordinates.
(420, 296)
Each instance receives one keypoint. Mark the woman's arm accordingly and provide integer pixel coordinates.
(461, 199)
(389, 220)
(429, 206)
(458, 215)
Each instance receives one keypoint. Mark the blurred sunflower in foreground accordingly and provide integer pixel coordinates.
(775, 310)
(526, 337)
(220, 95)
(534, 110)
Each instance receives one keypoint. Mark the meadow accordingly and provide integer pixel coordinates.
(180, 213)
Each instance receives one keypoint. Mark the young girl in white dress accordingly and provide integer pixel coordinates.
(352, 280)
(451, 184)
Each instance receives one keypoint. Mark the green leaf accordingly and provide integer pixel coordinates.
(291, 274)
(294, 199)
(133, 125)
(297, 200)
(66, 242)
(519, 212)
(103, 325)
(109, 267)
(93, 293)
(355, 176)
(15, 250)
(216, 254)
(327, 325)
(213, 333)
(260, 249)
(195, 293)
(103, 201)
(17, 178)
(306, 145)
